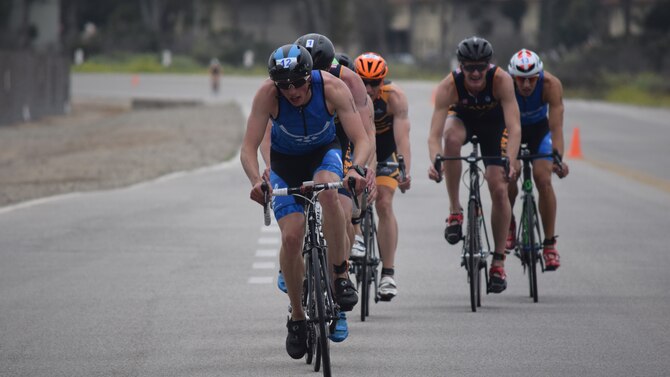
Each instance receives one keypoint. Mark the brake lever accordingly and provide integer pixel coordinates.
(438, 167)
(266, 202)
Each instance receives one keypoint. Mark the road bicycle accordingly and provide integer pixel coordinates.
(474, 254)
(528, 246)
(366, 269)
(317, 299)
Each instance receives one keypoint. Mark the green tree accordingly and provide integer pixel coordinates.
(514, 10)
(656, 36)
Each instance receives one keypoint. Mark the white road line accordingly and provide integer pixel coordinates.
(268, 241)
(270, 229)
(261, 280)
(263, 265)
(266, 253)
(233, 162)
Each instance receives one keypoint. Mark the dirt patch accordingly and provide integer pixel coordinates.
(104, 144)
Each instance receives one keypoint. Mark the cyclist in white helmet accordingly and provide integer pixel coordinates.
(540, 98)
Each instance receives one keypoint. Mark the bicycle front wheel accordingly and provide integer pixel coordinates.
(320, 295)
(365, 266)
(473, 254)
(530, 244)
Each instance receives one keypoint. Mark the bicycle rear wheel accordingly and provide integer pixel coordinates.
(320, 296)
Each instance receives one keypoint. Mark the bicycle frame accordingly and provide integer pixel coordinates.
(318, 297)
(366, 270)
(473, 255)
(528, 246)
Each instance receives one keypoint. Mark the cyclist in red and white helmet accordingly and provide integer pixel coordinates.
(540, 98)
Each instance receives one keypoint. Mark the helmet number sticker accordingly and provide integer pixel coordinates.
(286, 62)
(309, 43)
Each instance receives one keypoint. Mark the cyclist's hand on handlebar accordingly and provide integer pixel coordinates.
(514, 169)
(561, 171)
(434, 174)
(405, 185)
(360, 182)
(257, 194)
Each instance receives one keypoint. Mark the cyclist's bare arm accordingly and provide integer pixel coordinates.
(266, 144)
(340, 100)
(264, 104)
(399, 107)
(553, 95)
(445, 96)
(363, 104)
(372, 134)
(503, 89)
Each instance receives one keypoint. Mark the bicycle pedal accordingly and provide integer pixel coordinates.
(385, 298)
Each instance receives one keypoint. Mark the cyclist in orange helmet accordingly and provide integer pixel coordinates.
(392, 138)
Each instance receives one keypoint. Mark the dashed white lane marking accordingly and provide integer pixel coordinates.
(261, 280)
(269, 238)
(266, 253)
(263, 265)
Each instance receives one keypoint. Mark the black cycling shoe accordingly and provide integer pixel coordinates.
(296, 340)
(453, 232)
(497, 275)
(345, 294)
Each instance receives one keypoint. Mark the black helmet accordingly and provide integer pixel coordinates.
(289, 63)
(344, 60)
(321, 49)
(474, 49)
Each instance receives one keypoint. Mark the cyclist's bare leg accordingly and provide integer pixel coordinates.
(501, 211)
(387, 228)
(334, 228)
(347, 207)
(513, 191)
(454, 137)
(292, 228)
(547, 198)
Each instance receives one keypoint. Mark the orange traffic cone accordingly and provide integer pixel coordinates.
(135, 80)
(575, 147)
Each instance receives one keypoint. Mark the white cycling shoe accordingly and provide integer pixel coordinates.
(358, 250)
(387, 288)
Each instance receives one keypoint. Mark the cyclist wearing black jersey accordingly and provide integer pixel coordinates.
(477, 99)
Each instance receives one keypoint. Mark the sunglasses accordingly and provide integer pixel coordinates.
(292, 84)
(372, 83)
(475, 67)
(521, 80)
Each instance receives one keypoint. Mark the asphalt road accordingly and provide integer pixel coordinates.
(176, 277)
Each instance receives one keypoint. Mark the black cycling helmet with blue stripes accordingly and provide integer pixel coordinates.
(289, 63)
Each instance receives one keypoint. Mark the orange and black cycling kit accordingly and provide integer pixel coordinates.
(385, 138)
(482, 115)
